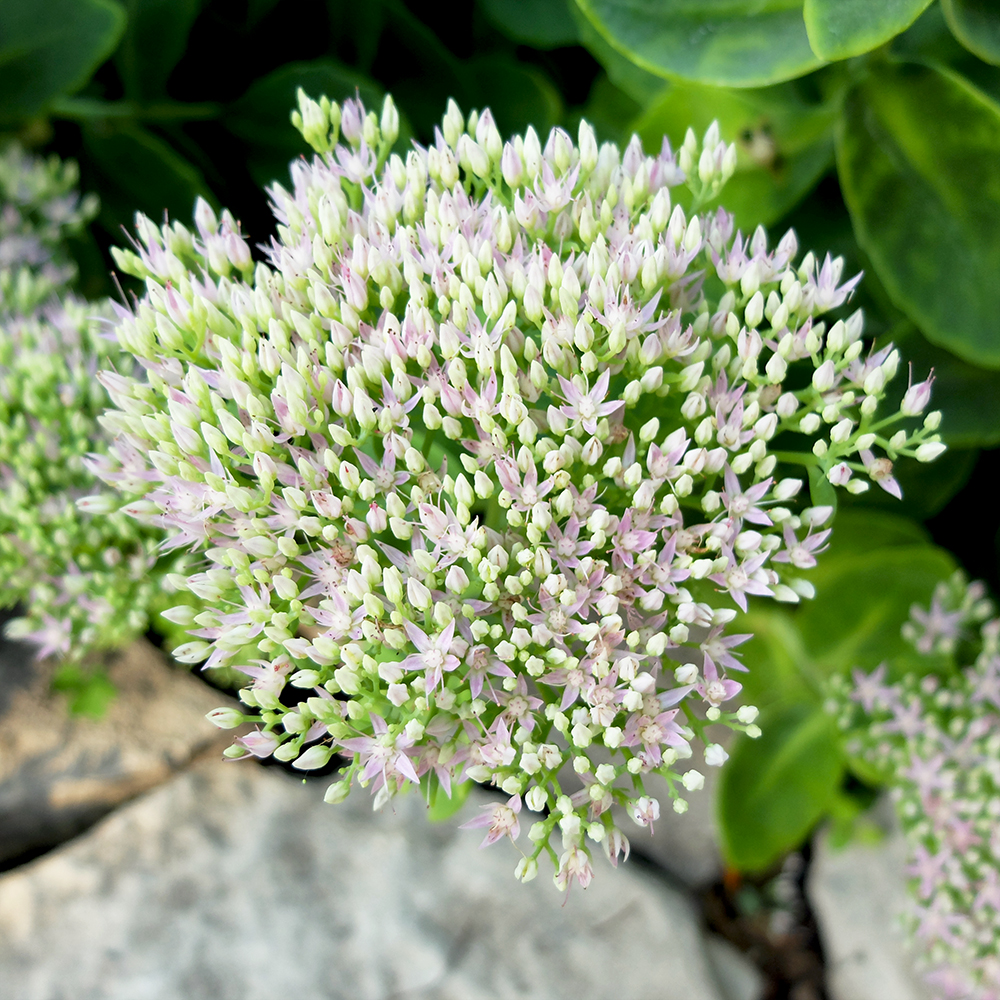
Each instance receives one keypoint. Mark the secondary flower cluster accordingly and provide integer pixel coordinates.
(479, 460)
(39, 210)
(937, 743)
(82, 580)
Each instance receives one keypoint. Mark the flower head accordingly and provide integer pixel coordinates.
(478, 421)
(85, 575)
(936, 742)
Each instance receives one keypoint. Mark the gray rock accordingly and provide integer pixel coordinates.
(737, 976)
(60, 773)
(857, 894)
(686, 844)
(235, 881)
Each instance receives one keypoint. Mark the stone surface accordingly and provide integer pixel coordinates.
(857, 895)
(60, 773)
(686, 845)
(737, 976)
(235, 881)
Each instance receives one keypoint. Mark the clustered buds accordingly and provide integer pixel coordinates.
(936, 741)
(478, 462)
(82, 574)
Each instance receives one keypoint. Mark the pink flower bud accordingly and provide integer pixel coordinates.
(916, 398)
(840, 474)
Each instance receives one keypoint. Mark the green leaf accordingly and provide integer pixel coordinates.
(52, 48)
(928, 39)
(862, 601)
(774, 789)
(90, 691)
(851, 820)
(542, 24)
(632, 80)
(784, 142)
(153, 44)
(862, 530)
(774, 658)
(257, 10)
(261, 117)
(610, 110)
(441, 807)
(976, 24)
(878, 567)
(728, 43)
(140, 172)
(785, 658)
(918, 150)
(839, 29)
(821, 491)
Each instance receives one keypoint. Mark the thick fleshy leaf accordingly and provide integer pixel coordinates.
(542, 24)
(789, 658)
(861, 531)
(639, 84)
(728, 43)
(440, 805)
(773, 790)
(928, 38)
(257, 10)
(610, 110)
(821, 490)
(153, 44)
(863, 599)
(839, 29)
(51, 48)
(776, 659)
(918, 150)
(90, 692)
(976, 24)
(784, 142)
(140, 172)
(261, 117)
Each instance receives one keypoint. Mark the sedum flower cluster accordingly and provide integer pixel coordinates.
(937, 743)
(83, 581)
(480, 460)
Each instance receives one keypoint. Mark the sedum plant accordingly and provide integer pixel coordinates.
(83, 575)
(484, 459)
(936, 743)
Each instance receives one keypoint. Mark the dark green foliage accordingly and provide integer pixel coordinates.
(774, 789)
(51, 49)
(918, 149)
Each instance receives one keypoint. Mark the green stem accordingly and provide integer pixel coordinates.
(796, 457)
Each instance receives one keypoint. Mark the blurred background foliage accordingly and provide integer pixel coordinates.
(873, 129)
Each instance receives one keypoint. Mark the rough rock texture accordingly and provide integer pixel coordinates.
(59, 773)
(857, 894)
(738, 977)
(235, 881)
